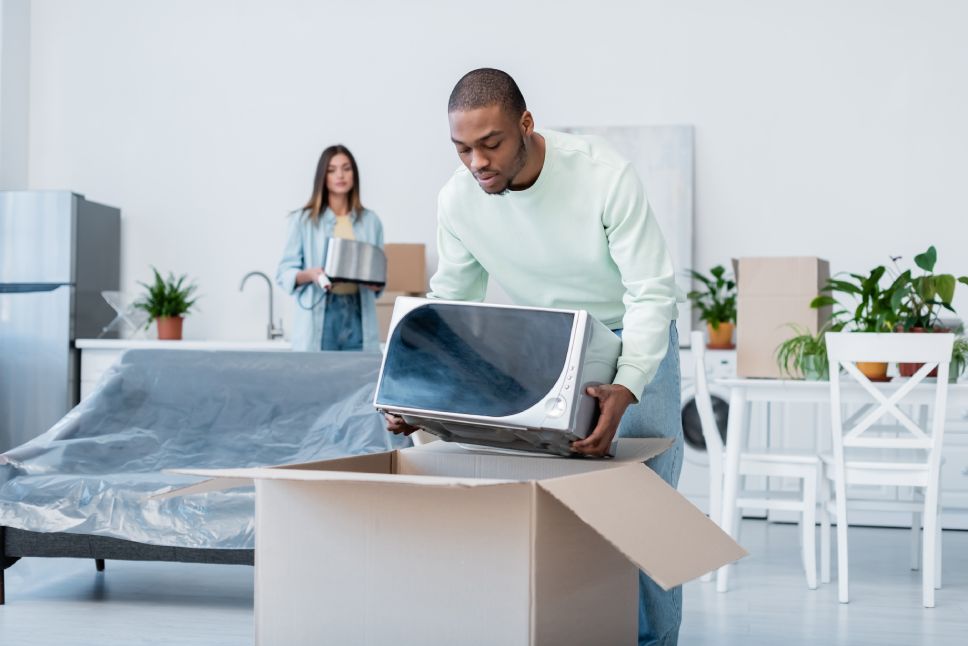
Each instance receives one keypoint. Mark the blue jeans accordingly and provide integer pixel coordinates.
(343, 323)
(658, 415)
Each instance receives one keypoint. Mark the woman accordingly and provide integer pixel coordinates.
(341, 316)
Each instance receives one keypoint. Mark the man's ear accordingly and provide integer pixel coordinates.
(527, 124)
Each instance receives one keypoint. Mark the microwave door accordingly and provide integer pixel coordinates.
(480, 361)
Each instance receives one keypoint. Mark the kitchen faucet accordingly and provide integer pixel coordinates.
(273, 332)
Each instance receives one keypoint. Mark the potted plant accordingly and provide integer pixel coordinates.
(921, 299)
(873, 310)
(167, 301)
(717, 306)
(804, 355)
(959, 359)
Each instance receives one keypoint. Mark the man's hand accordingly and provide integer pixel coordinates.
(613, 399)
(396, 425)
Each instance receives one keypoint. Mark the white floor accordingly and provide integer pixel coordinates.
(769, 603)
(61, 602)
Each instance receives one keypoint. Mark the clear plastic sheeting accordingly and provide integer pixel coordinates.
(95, 471)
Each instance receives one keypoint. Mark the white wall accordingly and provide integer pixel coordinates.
(830, 128)
(14, 92)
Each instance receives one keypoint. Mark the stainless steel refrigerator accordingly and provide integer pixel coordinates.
(58, 251)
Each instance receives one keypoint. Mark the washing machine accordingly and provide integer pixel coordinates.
(720, 364)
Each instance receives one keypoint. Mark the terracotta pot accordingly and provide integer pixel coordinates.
(874, 370)
(908, 369)
(720, 338)
(169, 328)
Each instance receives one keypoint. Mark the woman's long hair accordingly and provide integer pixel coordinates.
(320, 197)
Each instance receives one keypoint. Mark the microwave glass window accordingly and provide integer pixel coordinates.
(491, 361)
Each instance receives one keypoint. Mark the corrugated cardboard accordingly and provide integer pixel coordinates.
(406, 276)
(773, 293)
(384, 311)
(438, 545)
(406, 268)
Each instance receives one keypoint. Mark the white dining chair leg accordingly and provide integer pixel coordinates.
(722, 575)
(824, 529)
(840, 498)
(715, 496)
(916, 540)
(735, 430)
(937, 554)
(930, 541)
(808, 522)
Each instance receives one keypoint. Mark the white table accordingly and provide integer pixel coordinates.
(746, 391)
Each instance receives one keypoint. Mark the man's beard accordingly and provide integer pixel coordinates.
(520, 159)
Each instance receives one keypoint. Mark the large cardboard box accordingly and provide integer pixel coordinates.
(439, 545)
(773, 293)
(384, 311)
(406, 268)
(406, 276)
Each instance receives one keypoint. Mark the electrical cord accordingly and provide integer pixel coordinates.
(314, 288)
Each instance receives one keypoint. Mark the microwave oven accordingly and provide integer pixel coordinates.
(495, 375)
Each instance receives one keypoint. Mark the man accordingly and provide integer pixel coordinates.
(562, 221)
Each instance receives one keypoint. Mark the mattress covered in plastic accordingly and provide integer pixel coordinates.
(95, 471)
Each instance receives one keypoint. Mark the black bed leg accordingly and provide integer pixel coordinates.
(3, 564)
(99, 564)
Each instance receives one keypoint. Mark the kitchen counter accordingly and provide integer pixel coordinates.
(97, 355)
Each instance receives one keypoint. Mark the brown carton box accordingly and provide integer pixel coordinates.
(384, 311)
(436, 545)
(773, 293)
(406, 268)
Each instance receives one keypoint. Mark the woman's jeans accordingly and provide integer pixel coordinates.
(658, 415)
(342, 323)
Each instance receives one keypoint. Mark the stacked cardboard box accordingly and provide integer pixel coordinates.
(406, 276)
(772, 294)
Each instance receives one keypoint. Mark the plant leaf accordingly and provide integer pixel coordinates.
(843, 286)
(822, 301)
(945, 285)
(927, 260)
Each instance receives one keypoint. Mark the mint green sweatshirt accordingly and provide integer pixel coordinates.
(582, 237)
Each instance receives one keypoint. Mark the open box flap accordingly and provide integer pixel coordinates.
(457, 460)
(465, 468)
(626, 449)
(647, 520)
(205, 486)
(221, 479)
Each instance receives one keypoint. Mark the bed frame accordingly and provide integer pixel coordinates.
(17, 543)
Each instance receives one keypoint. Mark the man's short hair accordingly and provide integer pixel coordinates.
(485, 87)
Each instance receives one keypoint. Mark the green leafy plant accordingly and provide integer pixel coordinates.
(804, 355)
(959, 358)
(166, 297)
(920, 299)
(717, 302)
(870, 308)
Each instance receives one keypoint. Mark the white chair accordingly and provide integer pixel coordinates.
(904, 454)
(806, 468)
